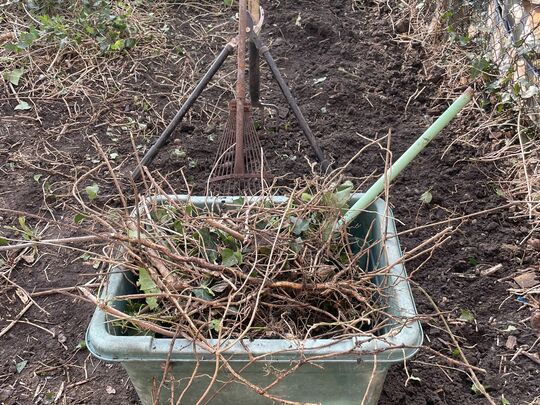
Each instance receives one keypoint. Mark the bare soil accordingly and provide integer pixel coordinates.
(355, 81)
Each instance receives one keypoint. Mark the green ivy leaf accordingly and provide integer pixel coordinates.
(11, 47)
(215, 324)
(480, 66)
(130, 43)
(343, 194)
(204, 292)
(14, 76)
(295, 245)
(426, 197)
(230, 257)
(210, 243)
(147, 286)
(20, 366)
(92, 191)
(228, 2)
(299, 225)
(178, 227)
(466, 316)
(504, 401)
(118, 45)
(79, 218)
(340, 198)
(3, 241)
(23, 105)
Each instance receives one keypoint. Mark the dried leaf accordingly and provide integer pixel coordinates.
(526, 280)
(534, 243)
(22, 296)
(535, 321)
(220, 287)
(298, 21)
(29, 259)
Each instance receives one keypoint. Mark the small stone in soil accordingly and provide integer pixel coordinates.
(511, 342)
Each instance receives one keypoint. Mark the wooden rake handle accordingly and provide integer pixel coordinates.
(239, 162)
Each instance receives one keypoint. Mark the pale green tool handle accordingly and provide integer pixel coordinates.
(417, 147)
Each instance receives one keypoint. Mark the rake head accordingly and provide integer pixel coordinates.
(227, 175)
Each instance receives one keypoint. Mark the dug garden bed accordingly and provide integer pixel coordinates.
(375, 81)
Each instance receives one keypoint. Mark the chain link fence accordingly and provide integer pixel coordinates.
(495, 45)
(514, 49)
(498, 40)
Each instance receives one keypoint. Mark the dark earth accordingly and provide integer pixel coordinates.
(354, 80)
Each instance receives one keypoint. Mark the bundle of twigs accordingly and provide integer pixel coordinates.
(255, 268)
